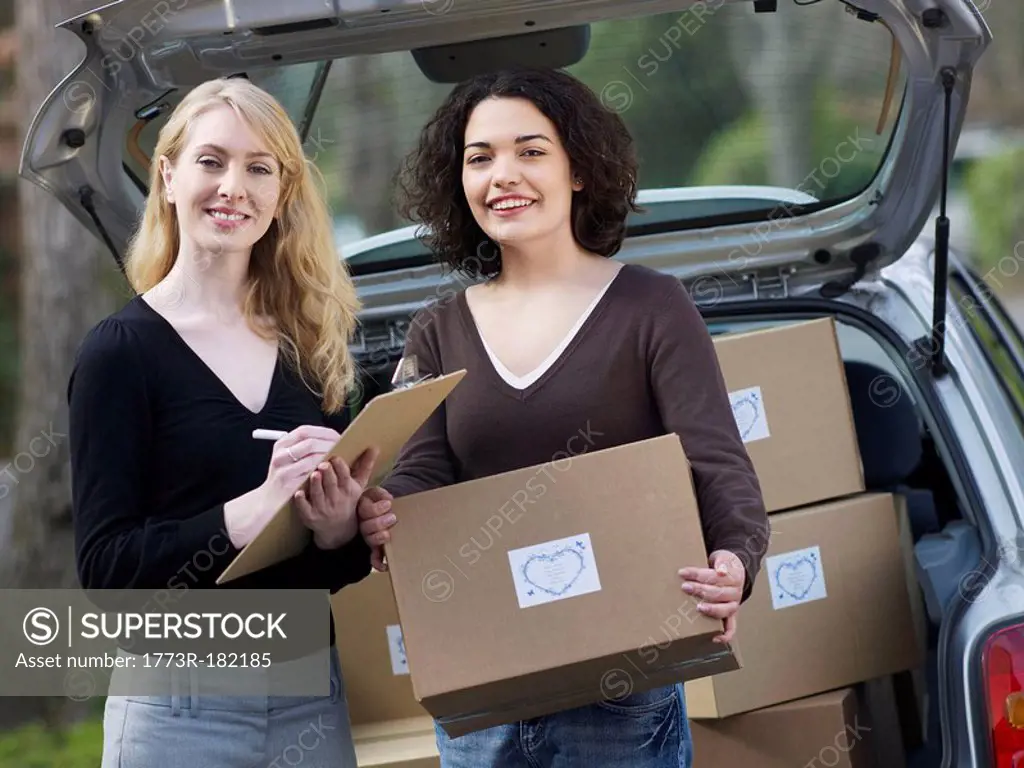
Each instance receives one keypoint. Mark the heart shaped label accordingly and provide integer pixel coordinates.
(554, 573)
(745, 413)
(796, 577)
(560, 569)
(396, 648)
(748, 411)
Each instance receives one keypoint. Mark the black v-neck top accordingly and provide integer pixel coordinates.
(641, 365)
(158, 445)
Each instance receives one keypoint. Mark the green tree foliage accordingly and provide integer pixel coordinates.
(995, 193)
(740, 155)
(34, 746)
(654, 71)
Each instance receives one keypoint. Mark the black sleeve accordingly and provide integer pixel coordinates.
(116, 546)
(332, 568)
(314, 568)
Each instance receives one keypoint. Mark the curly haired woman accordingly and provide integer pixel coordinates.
(525, 179)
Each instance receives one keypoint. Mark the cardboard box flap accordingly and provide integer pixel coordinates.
(402, 743)
(387, 422)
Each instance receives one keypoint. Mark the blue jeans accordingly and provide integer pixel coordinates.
(642, 730)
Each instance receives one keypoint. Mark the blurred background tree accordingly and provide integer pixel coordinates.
(60, 296)
(9, 226)
(995, 189)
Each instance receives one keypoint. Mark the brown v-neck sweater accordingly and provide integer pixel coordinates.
(641, 365)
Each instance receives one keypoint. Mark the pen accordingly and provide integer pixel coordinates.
(268, 434)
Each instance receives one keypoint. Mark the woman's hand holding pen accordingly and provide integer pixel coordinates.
(295, 455)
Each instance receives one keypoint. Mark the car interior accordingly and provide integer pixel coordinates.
(899, 456)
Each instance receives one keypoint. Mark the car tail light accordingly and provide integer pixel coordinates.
(1003, 667)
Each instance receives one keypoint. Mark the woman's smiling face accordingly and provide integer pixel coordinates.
(225, 185)
(516, 174)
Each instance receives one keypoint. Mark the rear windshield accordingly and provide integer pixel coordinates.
(803, 100)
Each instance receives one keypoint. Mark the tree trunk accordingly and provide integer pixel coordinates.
(62, 296)
(369, 143)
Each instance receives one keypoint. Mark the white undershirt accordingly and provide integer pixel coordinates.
(522, 382)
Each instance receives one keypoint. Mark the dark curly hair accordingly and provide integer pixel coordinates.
(600, 150)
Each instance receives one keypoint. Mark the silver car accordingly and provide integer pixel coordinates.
(934, 365)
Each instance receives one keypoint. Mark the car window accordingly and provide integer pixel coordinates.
(780, 105)
(295, 86)
(1002, 347)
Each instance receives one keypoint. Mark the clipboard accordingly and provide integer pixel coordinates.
(387, 422)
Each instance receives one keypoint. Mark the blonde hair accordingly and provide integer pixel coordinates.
(296, 276)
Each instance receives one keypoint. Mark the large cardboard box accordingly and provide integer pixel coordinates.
(830, 608)
(576, 598)
(819, 731)
(790, 399)
(371, 651)
(405, 743)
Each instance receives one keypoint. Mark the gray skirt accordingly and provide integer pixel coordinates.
(190, 730)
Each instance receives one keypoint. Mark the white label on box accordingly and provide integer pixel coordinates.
(748, 410)
(396, 644)
(554, 570)
(796, 577)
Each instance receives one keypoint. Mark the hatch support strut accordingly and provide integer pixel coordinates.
(941, 277)
(85, 195)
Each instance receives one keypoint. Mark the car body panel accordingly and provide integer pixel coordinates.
(989, 439)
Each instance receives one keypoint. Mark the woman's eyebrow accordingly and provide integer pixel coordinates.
(218, 148)
(518, 140)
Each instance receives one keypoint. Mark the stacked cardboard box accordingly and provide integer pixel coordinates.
(390, 728)
(834, 612)
(822, 730)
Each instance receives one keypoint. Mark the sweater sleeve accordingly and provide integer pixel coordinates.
(426, 461)
(116, 545)
(315, 568)
(691, 395)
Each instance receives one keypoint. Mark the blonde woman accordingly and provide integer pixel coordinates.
(242, 321)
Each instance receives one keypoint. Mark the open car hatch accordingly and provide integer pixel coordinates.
(88, 143)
